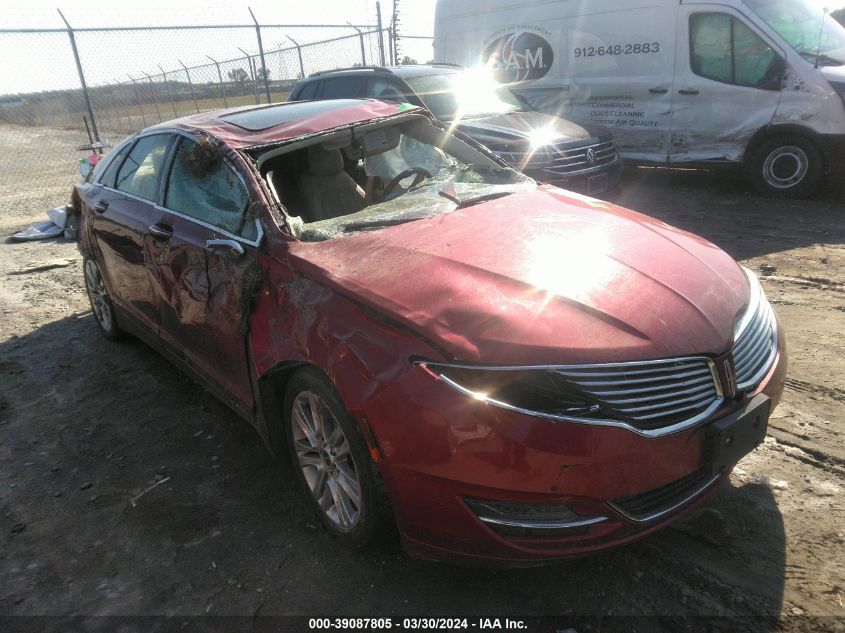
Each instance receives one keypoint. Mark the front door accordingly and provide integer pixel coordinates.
(727, 86)
(205, 266)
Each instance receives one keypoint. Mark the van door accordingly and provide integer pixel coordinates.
(620, 64)
(728, 84)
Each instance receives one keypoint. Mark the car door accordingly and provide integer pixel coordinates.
(124, 206)
(619, 67)
(204, 265)
(728, 84)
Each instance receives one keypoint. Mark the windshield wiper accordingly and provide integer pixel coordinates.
(468, 202)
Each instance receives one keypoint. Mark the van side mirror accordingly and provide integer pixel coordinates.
(775, 74)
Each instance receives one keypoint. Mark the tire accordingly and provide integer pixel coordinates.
(789, 166)
(101, 304)
(330, 459)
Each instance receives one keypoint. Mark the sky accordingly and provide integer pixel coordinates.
(37, 62)
(114, 56)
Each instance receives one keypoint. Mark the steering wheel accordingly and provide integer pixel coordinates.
(421, 174)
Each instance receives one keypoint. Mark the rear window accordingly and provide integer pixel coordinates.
(344, 87)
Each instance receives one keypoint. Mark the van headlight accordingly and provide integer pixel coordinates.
(539, 391)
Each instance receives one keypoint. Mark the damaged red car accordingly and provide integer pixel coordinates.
(512, 372)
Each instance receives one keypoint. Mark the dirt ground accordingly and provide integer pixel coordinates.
(88, 427)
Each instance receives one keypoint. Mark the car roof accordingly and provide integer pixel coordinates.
(404, 71)
(251, 126)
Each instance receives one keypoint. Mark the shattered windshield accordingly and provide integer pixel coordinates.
(384, 176)
(813, 34)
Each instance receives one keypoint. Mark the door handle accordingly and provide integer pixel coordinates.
(101, 206)
(688, 91)
(161, 231)
(235, 246)
(658, 91)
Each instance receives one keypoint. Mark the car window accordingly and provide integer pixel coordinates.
(344, 87)
(723, 48)
(206, 187)
(139, 174)
(111, 162)
(308, 91)
(386, 90)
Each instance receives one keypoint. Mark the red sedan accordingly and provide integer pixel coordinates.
(516, 372)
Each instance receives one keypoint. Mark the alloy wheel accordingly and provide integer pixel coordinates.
(97, 293)
(326, 461)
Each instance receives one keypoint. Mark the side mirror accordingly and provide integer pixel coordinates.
(775, 75)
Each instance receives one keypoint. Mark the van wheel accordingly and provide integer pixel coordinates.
(786, 167)
(330, 458)
(101, 304)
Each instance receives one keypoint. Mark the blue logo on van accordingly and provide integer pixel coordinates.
(519, 56)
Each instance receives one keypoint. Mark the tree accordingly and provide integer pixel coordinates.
(238, 75)
(408, 61)
(839, 16)
(262, 73)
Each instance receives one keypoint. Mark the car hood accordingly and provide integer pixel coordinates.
(540, 277)
(513, 130)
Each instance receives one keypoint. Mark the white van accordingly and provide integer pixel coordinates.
(757, 83)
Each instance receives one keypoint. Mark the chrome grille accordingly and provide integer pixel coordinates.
(573, 160)
(651, 394)
(756, 344)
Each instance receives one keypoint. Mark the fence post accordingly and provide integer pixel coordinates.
(380, 33)
(155, 96)
(190, 85)
(299, 53)
(261, 53)
(138, 99)
(126, 109)
(82, 83)
(251, 74)
(167, 87)
(361, 40)
(220, 77)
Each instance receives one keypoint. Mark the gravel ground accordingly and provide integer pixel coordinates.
(88, 427)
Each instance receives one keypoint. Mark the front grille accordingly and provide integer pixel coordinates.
(756, 345)
(646, 506)
(573, 160)
(650, 394)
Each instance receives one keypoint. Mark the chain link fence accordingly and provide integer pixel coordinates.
(76, 85)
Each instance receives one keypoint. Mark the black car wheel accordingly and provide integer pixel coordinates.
(787, 166)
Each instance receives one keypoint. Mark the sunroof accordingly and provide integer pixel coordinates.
(264, 118)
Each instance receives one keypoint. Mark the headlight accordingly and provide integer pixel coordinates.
(538, 391)
(758, 305)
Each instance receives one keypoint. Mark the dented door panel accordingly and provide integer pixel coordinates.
(201, 291)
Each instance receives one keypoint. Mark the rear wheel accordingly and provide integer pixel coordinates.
(101, 304)
(330, 458)
(786, 167)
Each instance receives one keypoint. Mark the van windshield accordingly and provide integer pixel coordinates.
(473, 93)
(799, 22)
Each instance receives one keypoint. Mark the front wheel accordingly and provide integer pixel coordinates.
(330, 458)
(786, 167)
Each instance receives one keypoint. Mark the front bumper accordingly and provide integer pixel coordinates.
(592, 182)
(439, 448)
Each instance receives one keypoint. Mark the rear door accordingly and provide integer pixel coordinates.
(124, 206)
(728, 83)
(205, 266)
